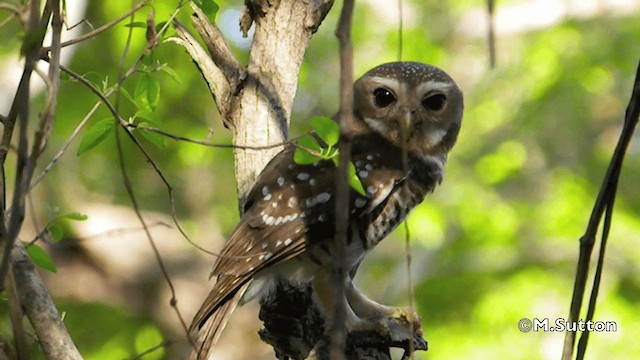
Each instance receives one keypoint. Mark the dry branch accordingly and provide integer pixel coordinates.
(345, 116)
(255, 102)
(40, 309)
(602, 208)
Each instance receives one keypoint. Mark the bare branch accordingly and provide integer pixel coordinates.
(219, 84)
(16, 314)
(345, 114)
(604, 203)
(47, 117)
(101, 29)
(40, 309)
(19, 113)
(491, 33)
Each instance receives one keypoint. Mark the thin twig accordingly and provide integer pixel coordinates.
(343, 32)
(125, 125)
(207, 143)
(19, 114)
(604, 202)
(101, 29)
(162, 345)
(66, 144)
(491, 32)
(400, 29)
(129, 187)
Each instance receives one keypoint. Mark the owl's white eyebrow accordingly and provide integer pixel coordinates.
(392, 84)
(433, 85)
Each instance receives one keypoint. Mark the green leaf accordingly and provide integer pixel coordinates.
(96, 134)
(159, 26)
(55, 230)
(147, 93)
(151, 117)
(209, 8)
(147, 338)
(354, 180)
(41, 258)
(327, 129)
(148, 59)
(137, 24)
(127, 95)
(172, 73)
(75, 216)
(303, 154)
(94, 78)
(153, 137)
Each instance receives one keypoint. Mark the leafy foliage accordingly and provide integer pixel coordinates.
(96, 134)
(41, 258)
(308, 150)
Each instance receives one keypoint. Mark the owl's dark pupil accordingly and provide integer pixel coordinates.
(434, 102)
(383, 97)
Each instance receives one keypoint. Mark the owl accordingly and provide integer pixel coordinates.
(406, 118)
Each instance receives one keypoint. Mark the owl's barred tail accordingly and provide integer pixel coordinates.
(207, 335)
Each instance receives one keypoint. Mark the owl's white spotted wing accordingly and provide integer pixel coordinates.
(292, 208)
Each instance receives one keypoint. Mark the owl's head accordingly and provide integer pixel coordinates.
(411, 104)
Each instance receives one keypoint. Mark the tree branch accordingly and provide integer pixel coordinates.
(40, 309)
(604, 203)
(99, 30)
(345, 115)
(219, 84)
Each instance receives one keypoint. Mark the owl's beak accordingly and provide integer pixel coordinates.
(407, 125)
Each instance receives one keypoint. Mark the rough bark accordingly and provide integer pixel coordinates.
(255, 102)
(40, 309)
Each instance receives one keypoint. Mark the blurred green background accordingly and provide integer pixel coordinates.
(496, 242)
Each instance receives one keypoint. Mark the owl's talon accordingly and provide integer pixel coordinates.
(398, 328)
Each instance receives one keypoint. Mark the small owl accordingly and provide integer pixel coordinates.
(406, 119)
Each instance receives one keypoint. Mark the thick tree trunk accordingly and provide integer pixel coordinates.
(255, 102)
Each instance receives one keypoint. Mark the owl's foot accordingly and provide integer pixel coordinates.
(370, 324)
(396, 327)
(400, 326)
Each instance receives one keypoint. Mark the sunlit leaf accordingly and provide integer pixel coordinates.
(147, 93)
(137, 24)
(209, 8)
(151, 117)
(155, 138)
(354, 180)
(127, 95)
(327, 129)
(149, 337)
(55, 230)
(159, 26)
(148, 59)
(94, 78)
(307, 150)
(172, 73)
(96, 134)
(41, 258)
(75, 216)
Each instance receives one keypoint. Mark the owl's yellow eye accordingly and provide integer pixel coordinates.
(434, 102)
(383, 97)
